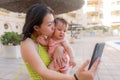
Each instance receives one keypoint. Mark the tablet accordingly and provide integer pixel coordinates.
(97, 53)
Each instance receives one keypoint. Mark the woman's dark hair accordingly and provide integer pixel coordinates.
(59, 19)
(35, 16)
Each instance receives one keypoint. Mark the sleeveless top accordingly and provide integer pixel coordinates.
(42, 51)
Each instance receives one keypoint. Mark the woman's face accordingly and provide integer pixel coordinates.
(47, 27)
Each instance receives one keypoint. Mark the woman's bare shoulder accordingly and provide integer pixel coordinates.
(28, 43)
(28, 40)
(28, 48)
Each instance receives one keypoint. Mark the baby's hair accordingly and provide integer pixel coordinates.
(59, 19)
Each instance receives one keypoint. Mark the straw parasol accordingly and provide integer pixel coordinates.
(59, 6)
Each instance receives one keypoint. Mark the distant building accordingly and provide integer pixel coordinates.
(115, 13)
(10, 21)
(103, 12)
(93, 10)
(76, 17)
(93, 13)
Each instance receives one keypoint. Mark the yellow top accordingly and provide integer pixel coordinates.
(42, 51)
(46, 59)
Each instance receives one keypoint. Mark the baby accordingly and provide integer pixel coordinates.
(58, 41)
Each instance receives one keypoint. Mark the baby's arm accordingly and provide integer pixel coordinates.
(70, 53)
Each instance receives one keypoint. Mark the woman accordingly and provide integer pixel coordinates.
(39, 21)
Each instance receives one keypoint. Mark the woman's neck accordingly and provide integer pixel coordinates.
(35, 34)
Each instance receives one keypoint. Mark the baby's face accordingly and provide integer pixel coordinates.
(60, 30)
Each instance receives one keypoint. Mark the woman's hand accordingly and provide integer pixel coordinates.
(82, 74)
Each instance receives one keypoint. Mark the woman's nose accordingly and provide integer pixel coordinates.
(53, 27)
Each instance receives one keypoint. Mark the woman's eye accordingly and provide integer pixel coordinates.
(49, 24)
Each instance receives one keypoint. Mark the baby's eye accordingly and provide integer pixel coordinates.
(64, 30)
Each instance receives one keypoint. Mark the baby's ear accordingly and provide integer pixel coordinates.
(36, 28)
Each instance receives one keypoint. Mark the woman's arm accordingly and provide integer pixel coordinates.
(30, 55)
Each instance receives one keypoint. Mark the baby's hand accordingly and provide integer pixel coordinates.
(72, 62)
(41, 40)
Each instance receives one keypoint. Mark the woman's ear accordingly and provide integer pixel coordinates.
(36, 28)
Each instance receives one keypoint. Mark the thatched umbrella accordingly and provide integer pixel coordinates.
(59, 6)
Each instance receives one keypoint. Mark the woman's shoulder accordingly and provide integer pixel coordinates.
(28, 42)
